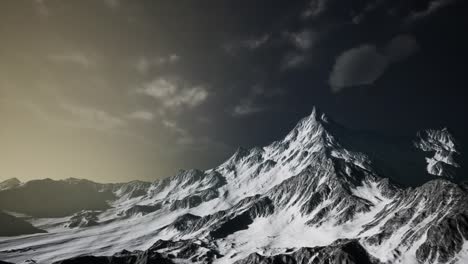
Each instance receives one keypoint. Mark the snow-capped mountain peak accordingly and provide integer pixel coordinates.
(317, 195)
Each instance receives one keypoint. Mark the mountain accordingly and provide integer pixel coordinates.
(323, 194)
(10, 183)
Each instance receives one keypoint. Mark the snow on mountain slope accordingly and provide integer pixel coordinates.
(312, 197)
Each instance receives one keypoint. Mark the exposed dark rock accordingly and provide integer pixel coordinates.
(162, 252)
(39, 198)
(341, 251)
(444, 240)
(239, 222)
(13, 226)
(195, 199)
(142, 209)
(84, 219)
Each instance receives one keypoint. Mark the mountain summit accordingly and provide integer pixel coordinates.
(323, 194)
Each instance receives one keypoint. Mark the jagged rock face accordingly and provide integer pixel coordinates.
(317, 196)
(84, 219)
(443, 146)
(141, 209)
(161, 252)
(350, 252)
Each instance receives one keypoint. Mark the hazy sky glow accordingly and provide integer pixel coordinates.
(114, 90)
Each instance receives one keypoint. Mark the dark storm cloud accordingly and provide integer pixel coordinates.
(357, 66)
(364, 64)
(401, 47)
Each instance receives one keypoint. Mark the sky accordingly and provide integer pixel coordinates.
(115, 90)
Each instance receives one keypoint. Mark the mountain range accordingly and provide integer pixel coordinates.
(323, 194)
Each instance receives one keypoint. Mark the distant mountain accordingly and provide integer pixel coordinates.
(10, 183)
(49, 198)
(323, 194)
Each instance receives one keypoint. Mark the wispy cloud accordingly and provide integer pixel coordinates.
(74, 58)
(302, 40)
(92, 118)
(432, 8)
(293, 60)
(315, 8)
(252, 43)
(255, 43)
(141, 115)
(246, 107)
(174, 93)
(368, 9)
(183, 136)
(144, 64)
(303, 43)
(249, 105)
(82, 116)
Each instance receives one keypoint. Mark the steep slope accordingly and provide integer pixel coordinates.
(319, 195)
(442, 144)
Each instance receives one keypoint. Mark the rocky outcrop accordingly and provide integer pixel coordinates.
(341, 251)
(162, 252)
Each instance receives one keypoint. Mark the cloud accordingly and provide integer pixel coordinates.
(368, 8)
(302, 40)
(432, 8)
(293, 60)
(183, 136)
(256, 43)
(315, 8)
(141, 115)
(246, 108)
(73, 58)
(144, 64)
(401, 47)
(248, 105)
(92, 118)
(357, 66)
(175, 93)
(363, 65)
(253, 43)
